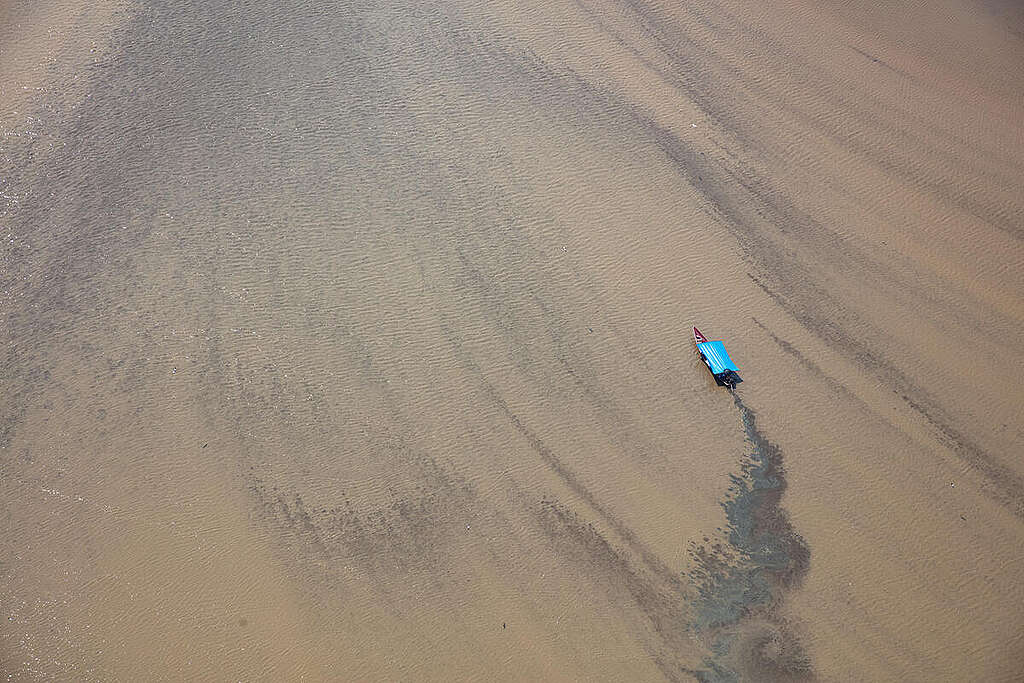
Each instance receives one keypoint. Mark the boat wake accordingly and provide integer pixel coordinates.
(742, 579)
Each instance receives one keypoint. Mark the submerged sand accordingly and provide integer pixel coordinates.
(353, 341)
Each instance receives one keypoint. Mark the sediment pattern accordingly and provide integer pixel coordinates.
(351, 340)
(742, 579)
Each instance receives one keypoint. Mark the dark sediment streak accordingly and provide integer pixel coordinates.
(662, 600)
(741, 581)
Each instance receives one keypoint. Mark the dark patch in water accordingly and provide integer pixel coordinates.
(741, 579)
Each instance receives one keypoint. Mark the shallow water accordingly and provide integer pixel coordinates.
(353, 340)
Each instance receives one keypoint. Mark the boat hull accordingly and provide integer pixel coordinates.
(717, 360)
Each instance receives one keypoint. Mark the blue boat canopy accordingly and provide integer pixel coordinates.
(718, 359)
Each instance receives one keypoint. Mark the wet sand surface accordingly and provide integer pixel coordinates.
(352, 340)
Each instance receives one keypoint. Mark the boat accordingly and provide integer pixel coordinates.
(714, 355)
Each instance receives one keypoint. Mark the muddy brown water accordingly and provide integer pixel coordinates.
(352, 341)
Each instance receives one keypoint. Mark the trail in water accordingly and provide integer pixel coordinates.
(742, 580)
